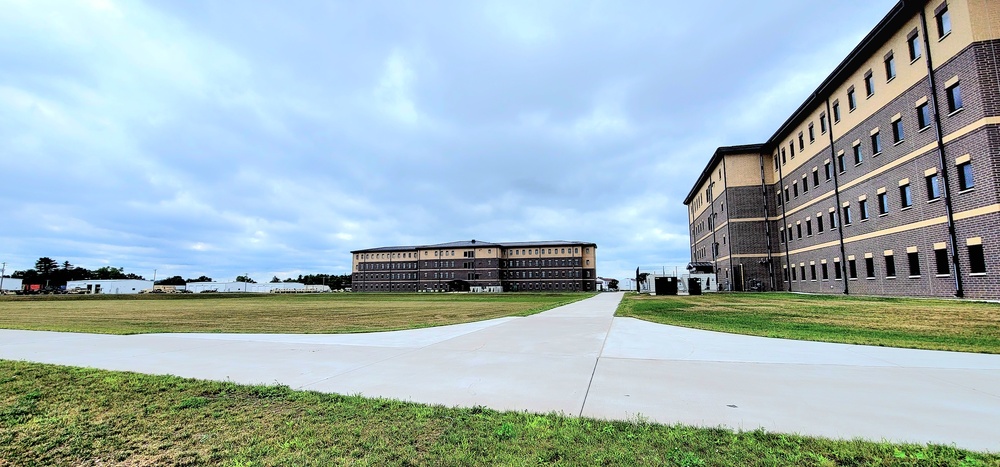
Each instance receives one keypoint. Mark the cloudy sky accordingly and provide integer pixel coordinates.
(272, 138)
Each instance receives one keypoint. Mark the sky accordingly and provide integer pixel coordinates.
(268, 138)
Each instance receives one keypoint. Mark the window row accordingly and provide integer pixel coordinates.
(914, 267)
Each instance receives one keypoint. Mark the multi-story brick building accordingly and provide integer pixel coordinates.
(462, 266)
(885, 181)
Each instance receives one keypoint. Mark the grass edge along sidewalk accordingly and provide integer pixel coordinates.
(56, 415)
(267, 313)
(930, 324)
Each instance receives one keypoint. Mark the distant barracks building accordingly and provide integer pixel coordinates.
(885, 181)
(477, 266)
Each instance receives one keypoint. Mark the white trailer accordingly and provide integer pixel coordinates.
(10, 285)
(110, 286)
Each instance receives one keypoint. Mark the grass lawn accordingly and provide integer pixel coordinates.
(892, 322)
(54, 415)
(265, 313)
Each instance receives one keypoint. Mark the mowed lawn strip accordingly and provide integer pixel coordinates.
(55, 415)
(954, 325)
(266, 313)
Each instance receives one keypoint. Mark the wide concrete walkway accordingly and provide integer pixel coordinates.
(580, 360)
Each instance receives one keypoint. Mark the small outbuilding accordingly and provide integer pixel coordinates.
(110, 286)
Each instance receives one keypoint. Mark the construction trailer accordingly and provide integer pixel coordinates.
(110, 286)
(10, 285)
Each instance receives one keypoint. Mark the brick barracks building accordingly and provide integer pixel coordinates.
(885, 181)
(473, 265)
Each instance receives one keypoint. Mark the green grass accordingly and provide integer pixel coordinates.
(266, 313)
(893, 322)
(54, 415)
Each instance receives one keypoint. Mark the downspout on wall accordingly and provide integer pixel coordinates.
(784, 222)
(836, 192)
(729, 231)
(959, 289)
(767, 221)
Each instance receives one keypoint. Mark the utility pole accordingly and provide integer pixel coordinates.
(3, 269)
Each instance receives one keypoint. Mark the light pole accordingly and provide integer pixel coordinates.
(3, 269)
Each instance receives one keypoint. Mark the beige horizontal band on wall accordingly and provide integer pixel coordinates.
(911, 249)
(921, 101)
(896, 118)
(880, 191)
(850, 258)
(869, 255)
(887, 253)
(929, 172)
(875, 130)
(941, 246)
(974, 241)
(904, 181)
(952, 81)
(963, 159)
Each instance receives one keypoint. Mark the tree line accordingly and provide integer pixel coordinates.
(50, 273)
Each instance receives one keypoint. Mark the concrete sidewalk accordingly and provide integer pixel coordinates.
(580, 360)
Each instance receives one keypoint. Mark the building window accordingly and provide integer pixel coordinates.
(815, 177)
(828, 170)
(965, 179)
(812, 133)
(869, 84)
(841, 164)
(778, 197)
(905, 200)
(943, 20)
(802, 269)
(836, 270)
(913, 258)
(812, 271)
(795, 189)
(923, 116)
(890, 67)
(836, 111)
(793, 273)
(802, 142)
(883, 203)
(822, 123)
(819, 223)
(863, 209)
(977, 259)
(954, 97)
(825, 271)
(809, 227)
(858, 155)
(933, 189)
(870, 267)
(876, 143)
(852, 100)
(941, 261)
(783, 236)
(798, 228)
(852, 269)
(787, 198)
(890, 266)
(783, 159)
(897, 131)
(833, 219)
(913, 45)
(791, 149)
(805, 184)
(847, 215)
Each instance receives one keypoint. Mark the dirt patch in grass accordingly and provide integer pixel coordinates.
(896, 322)
(257, 313)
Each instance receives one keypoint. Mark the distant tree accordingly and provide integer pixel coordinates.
(201, 279)
(245, 279)
(108, 273)
(176, 280)
(46, 265)
(613, 284)
(67, 266)
(275, 279)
